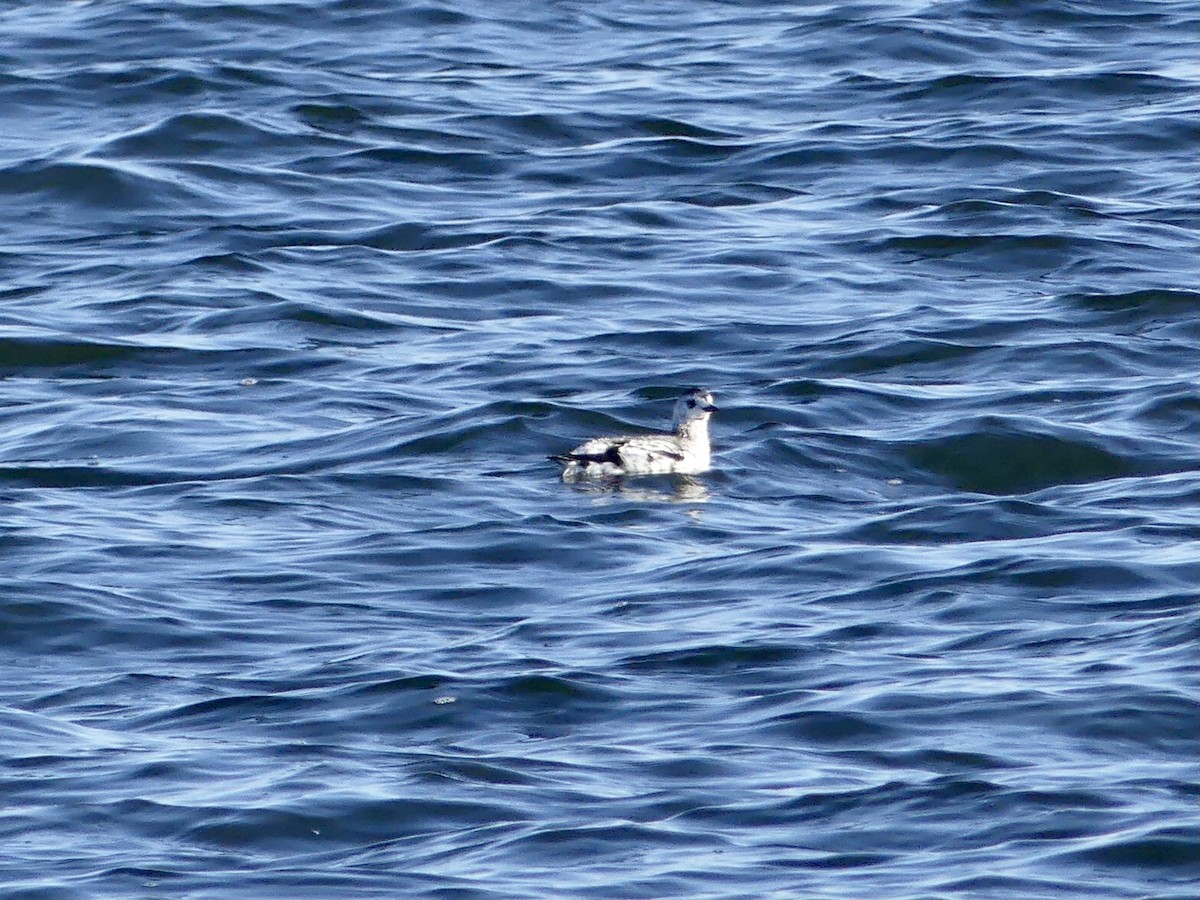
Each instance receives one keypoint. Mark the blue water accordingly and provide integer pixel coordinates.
(298, 296)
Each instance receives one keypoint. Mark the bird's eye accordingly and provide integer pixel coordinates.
(691, 403)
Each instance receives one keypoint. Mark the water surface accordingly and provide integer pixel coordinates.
(298, 296)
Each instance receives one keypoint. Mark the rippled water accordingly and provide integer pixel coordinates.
(298, 296)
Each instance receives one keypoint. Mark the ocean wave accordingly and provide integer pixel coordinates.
(298, 298)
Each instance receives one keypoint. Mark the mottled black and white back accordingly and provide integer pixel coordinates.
(686, 450)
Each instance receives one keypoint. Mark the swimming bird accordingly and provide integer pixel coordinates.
(686, 450)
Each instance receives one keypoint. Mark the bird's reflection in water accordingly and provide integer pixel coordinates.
(663, 489)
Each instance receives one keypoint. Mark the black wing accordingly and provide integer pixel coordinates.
(611, 455)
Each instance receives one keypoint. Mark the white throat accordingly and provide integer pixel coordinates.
(693, 434)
